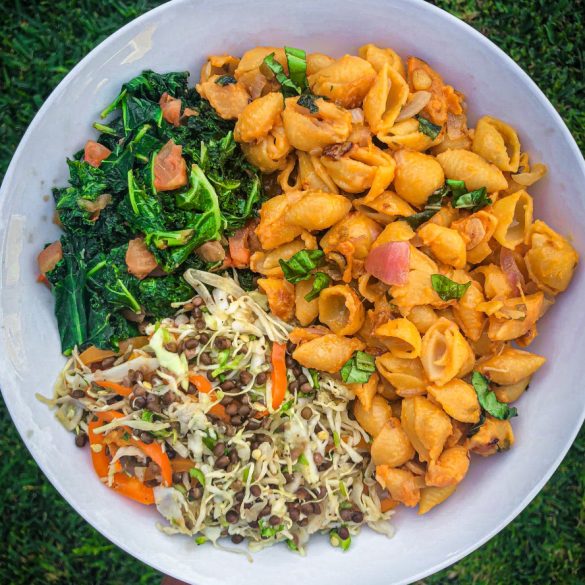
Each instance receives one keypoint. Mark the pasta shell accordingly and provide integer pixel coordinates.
(514, 215)
(341, 309)
(445, 353)
(401, 338)
(449, 469)
(401, 484)
(510, 366)
(458, 399)
(498, 143)
(365, 392)
(391, 446)
(407, 376)
(433, 496)
(374, 419)
(327, 353)
(476, 172)
(281, 296)
(379, 57)
(345, 82)
(305, 311)
(426, 425)
(493, 436)
(446, 244)
(417, 176)
(550, 260)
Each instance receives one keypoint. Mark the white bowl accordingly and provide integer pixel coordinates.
(178, 36)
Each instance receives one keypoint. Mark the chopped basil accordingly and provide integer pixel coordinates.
(358, 369)
(488, 400)
(300, 265)
(307, 100)
(434, 204)
(297, 66)
(473, 200)
(321, 281)
(475, 428)
(225, 80)
(448, 289)
(287, 86)
(198, 475)
(458, 188)
(427, 127)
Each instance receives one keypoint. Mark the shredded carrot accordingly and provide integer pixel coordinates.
(204, 385)
(117, 388)
(279, 382)
(180, 464)
(43, 279)
(130, 487)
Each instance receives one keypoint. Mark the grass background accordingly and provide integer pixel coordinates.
(43, 541)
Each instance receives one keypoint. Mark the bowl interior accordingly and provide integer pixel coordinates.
(178, 36)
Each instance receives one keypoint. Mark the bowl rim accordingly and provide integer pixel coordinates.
(137, 23)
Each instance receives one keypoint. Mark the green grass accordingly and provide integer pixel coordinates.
(43, 541)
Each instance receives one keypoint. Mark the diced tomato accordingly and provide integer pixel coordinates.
(170, 168)
(49, 257)
(95, 153)
(171, 108)
(139, 259)
(389, 262)
(239, 248)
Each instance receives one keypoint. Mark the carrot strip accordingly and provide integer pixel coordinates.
(133, 488)
(117, 388)
(388, 504)
(279, 382)
(204, 385)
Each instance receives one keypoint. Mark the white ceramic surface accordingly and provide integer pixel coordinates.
(178, 36)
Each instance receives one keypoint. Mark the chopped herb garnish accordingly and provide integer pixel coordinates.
(358, 369)
(433, 205)
(209, 442)
(201, 540)
(226, 80)
(300, 265)
(287, 85)
(297, 66)
(321, 282)
(475, 428)
(287, 405)
(302, 459)
(198, 475)
(292, 545)
(474, 200)
(246, 474)
(268, 531)
(488, 399)
(336, 439)
(307, 100)
(457, 188)
(448, 289)
(427, 127)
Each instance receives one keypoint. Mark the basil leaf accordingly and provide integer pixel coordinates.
(475, 428)
(321, 281)
(297, 66)
(225, 80)
(427, 127)
(287, 86)
(488, 400)
(300, 265)
(434, 204)
(307, 100)
(458, 188)
(448, 289)
(358, 369)
(473, 200)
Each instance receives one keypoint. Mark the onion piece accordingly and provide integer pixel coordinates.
(390, 262)
(510, 269)
(419, 100)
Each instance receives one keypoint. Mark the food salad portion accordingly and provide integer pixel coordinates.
(297, 295)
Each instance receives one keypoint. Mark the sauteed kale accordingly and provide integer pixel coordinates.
(113, 198)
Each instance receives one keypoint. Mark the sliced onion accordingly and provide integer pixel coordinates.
(390, 262)
(357, 115)
(509, 267)
(419, 100)
(100, 203)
